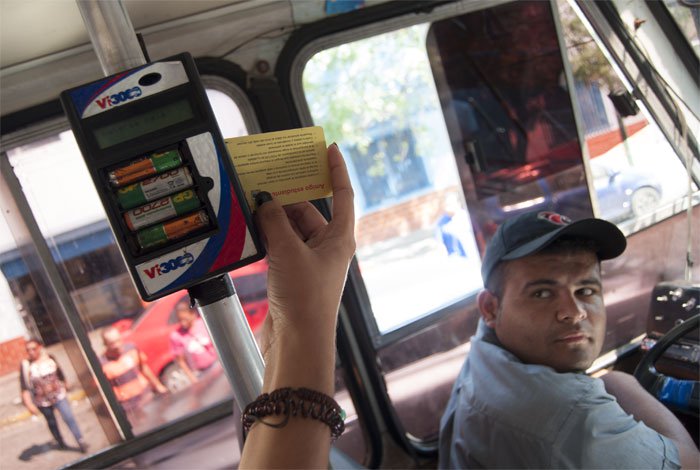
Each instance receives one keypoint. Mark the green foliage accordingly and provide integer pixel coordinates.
(588, 63)
(383, 80)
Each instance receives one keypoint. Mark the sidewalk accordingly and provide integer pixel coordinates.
(25, 440)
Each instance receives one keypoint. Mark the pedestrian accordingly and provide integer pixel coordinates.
(43, 388)
(126, 369)
(190, 342)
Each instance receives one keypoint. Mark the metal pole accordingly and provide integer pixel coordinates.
(223, 315)
(112, 35)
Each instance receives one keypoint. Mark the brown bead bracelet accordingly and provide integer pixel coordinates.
(292, 402)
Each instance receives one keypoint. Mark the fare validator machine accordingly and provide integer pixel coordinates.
(160, 166)
(161, 169)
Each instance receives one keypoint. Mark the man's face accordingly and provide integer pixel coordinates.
(551, 310)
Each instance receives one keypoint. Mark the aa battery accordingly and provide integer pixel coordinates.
(162, 209)
(171, 230)
(145, 167)
(153, 188)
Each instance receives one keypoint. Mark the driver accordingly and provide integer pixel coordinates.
(522, 398)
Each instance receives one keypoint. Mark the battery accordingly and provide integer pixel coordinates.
(162, 209)
(171, 230)
(153, 188)
(145, 167)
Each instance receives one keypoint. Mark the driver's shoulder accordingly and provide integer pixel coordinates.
(501, 383)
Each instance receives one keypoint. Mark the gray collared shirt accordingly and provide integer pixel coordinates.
(504, 413)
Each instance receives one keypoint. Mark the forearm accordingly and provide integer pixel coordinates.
(644, 407)
(152, 379)
(27, 401)
(305, 359)
(304, 252)
(182, 364)
(298, 359)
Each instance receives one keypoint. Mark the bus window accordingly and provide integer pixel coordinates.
(24, 307)
(509, 113)
(449, 127)
(70, 217)
(636, 175)
(416, 248)
(228, 115)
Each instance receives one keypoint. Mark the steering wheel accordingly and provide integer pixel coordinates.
(682, 395)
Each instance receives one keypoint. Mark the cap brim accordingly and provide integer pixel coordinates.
(610, 241)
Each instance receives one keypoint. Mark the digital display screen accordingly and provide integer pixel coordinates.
(144, 123)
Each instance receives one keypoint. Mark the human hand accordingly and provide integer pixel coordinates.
(308, 261)
(160, 388)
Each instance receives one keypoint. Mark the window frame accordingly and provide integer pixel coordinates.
(289, 70)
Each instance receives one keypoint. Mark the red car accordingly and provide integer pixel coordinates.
(150, 331)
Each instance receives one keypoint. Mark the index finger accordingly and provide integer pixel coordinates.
(343, 196)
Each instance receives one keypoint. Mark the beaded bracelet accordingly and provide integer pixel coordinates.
(292, 402)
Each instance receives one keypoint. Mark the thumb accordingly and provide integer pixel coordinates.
(272, 222)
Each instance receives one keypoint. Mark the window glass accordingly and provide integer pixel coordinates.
(687, 16)
(228, 116)
(634, 170)
(509, 113)
(26, 441)
(65, 204)
(416, 247)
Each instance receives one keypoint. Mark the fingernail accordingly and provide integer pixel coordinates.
(262, 197)
(334, 144)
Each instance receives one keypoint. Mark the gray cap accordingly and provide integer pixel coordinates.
(528, 233)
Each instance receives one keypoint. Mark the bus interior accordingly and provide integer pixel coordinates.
(452, 117)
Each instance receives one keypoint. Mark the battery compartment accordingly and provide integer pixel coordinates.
(161, 203)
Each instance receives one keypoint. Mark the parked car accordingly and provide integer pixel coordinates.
(624, 195)
(151, 330)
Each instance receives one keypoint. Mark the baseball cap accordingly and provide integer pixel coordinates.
(528, 233)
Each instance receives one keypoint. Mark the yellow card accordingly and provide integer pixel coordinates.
(291, 165)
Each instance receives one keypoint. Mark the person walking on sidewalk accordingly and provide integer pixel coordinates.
(43, 387)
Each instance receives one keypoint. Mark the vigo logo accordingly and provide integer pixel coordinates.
(168, 266)
(118, 98)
